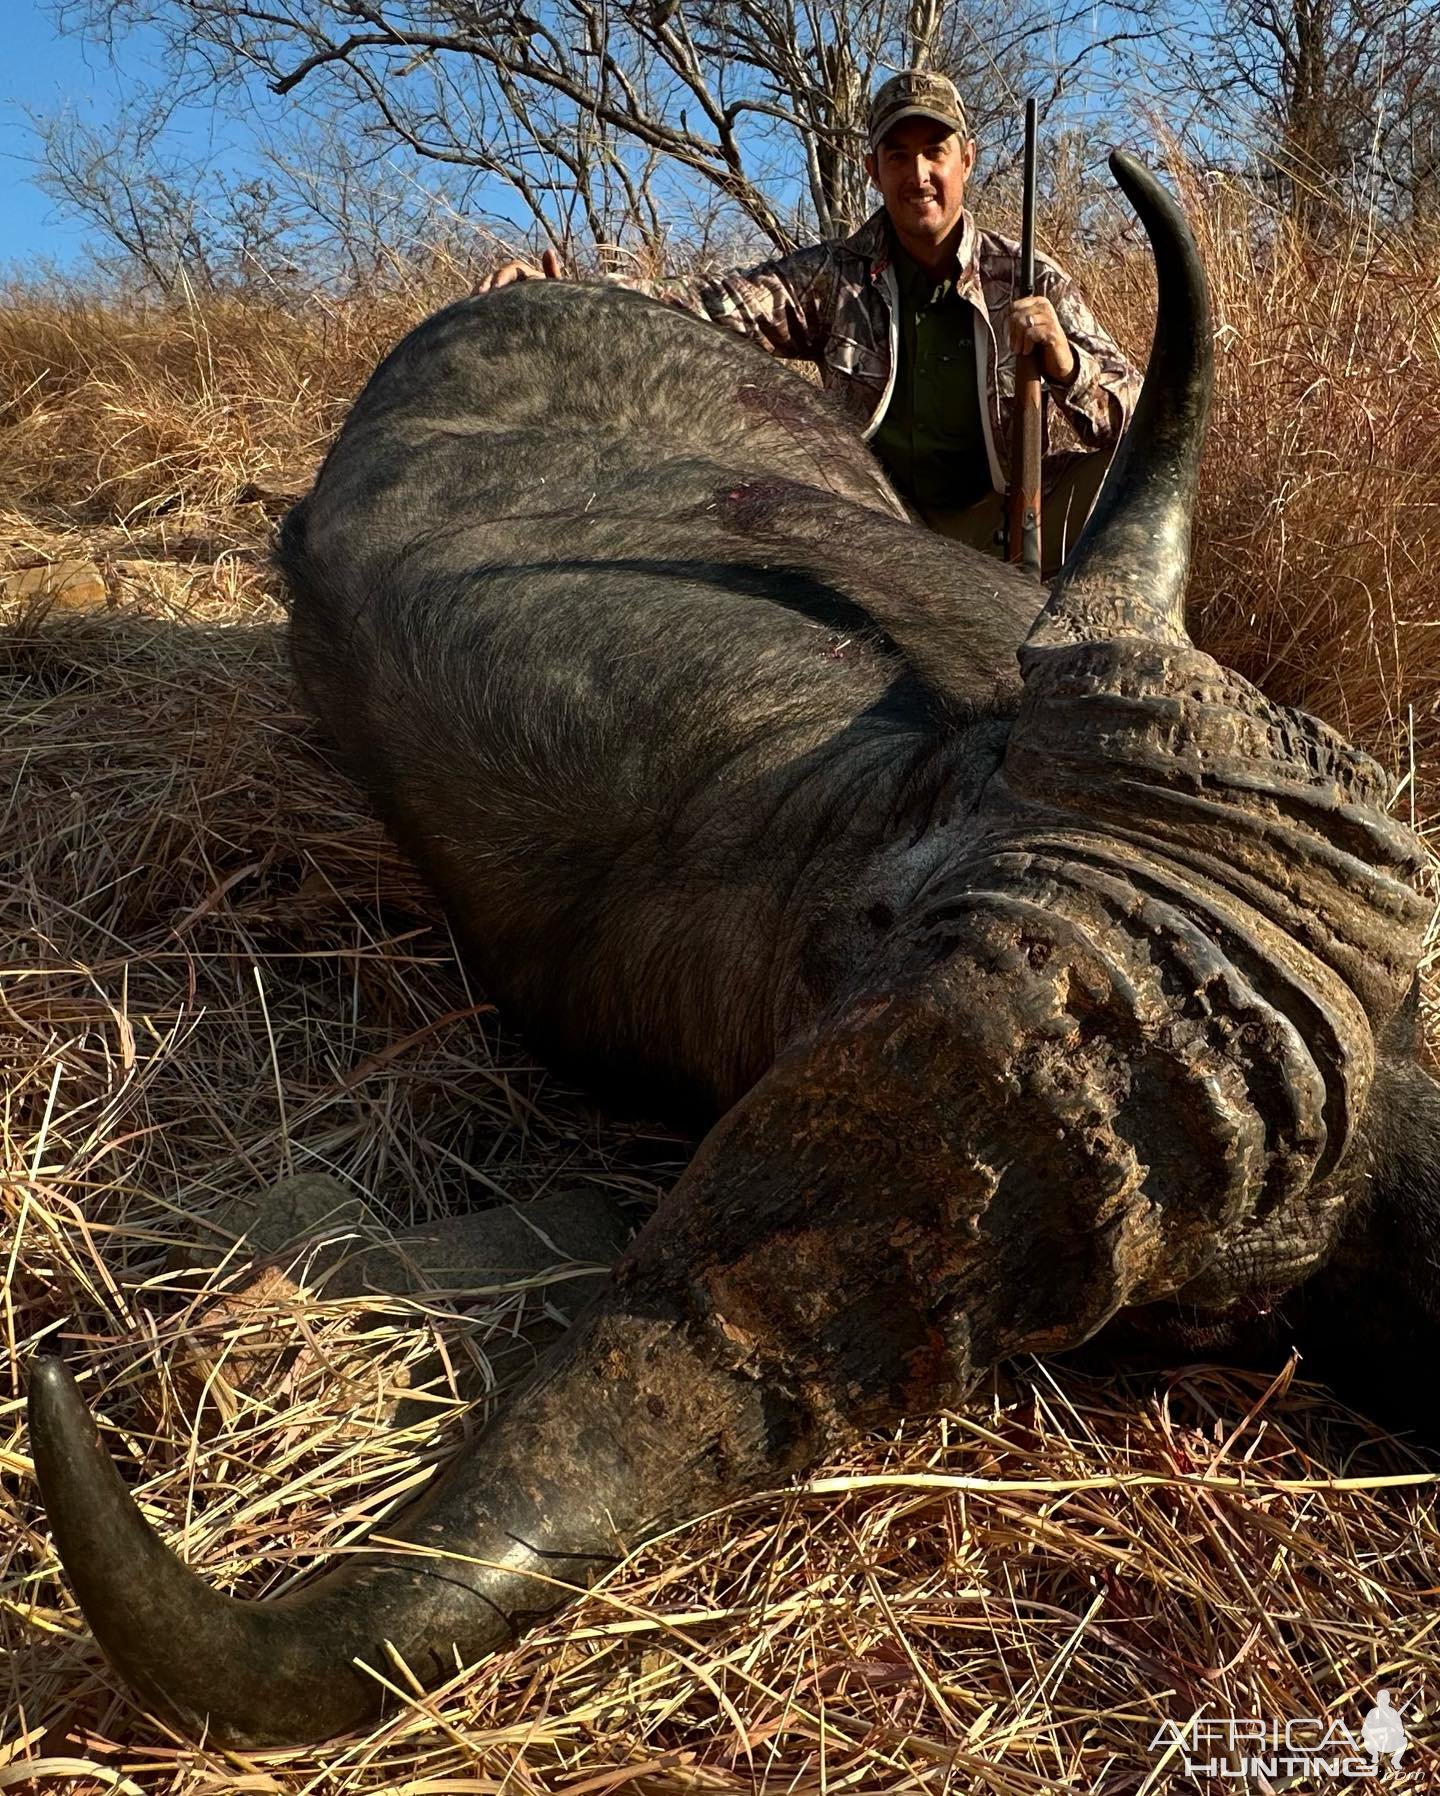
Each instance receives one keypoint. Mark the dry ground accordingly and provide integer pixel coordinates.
(215, 972)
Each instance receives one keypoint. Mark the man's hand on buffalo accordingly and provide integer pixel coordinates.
(1035, 327)
(551, 269)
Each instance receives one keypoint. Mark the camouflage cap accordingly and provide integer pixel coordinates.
(915, 93)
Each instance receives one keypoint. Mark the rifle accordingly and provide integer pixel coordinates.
(1022, 524)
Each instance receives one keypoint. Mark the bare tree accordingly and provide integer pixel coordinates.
(319, 206)
(607, 117)
(372, 216)
(1331, 103)
(152, 214)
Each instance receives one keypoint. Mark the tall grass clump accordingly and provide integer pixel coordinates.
(116, 408)
(1317, 568)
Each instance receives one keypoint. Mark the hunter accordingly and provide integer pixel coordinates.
(906, 319)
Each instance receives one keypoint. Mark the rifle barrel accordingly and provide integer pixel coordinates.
(1027, 216)
(1022, 529)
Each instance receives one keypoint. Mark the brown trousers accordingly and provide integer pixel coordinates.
(1062, 515)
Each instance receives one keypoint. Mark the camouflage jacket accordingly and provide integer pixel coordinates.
(837, 304)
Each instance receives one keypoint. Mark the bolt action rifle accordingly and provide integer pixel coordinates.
(1022, 519)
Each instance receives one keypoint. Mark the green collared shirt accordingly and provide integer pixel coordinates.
(931, 439)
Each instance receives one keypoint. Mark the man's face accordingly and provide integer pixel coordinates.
(921, 169)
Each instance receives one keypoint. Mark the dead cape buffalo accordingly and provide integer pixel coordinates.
(1023, 994)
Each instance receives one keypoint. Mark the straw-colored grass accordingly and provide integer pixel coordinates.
(1318, 544)
(216, 972)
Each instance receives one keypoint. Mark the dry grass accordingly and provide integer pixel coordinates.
(216, 972)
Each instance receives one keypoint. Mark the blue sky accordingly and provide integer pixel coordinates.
(40, 70)
(43, 70)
